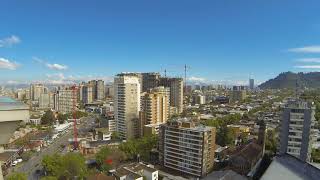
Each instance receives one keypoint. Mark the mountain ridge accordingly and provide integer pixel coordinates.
(290, 80)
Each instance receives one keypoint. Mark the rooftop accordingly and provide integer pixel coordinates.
(224, 175)
(7, 103)
(290, 167)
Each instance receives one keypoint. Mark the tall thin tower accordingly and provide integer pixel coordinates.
(75, 130)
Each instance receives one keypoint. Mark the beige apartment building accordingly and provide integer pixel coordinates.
(65, 99)
(155, 109)
(176, 91)
(127, 105)
(187, 147)
(36, 90)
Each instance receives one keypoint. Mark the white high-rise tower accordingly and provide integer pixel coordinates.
(127, 105)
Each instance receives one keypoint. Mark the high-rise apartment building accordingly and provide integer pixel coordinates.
(176, 91)
(251, 84)
(155, 107)
(92, 91)
(65, 99)
(44, 101)
(150, 80)
(93, 84)
(186, 147)
(297, 132)
(127, 105)
(109, 90)
(35, 91)
(100, 90)
(238, 93)
(87, 94)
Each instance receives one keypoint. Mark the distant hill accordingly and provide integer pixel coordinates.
(289, 79)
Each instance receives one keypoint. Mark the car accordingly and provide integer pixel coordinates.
(19, 160)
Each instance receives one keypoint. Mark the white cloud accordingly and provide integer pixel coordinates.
(60, 78)
(309, 60)
(9, 41)
(12, 82)
(7, 64)
(306, 49)
(196, 79)
(55, 66)
(58, 67)
(56, 75)
(308, 66)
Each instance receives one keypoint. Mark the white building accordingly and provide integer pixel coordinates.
(35, 121)
(112, 125)
(62, 127)
(127, 104)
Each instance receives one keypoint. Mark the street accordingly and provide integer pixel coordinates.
(34, 163)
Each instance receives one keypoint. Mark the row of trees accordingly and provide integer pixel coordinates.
(49, 118)
(108, 158)
(139, 147)
(69, 166)
(225, 136)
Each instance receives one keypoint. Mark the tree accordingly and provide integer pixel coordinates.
(141, 146)
(68, 166)
(79, 114)
(48, 118)
(74, 166)
(52, 164)
(315, 155)
(223, 136)
(49, 178)
(271, 141)
(101, 157)
(115, 135)
(62, 118)
(17, 176)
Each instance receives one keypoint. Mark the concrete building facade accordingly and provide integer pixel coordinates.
(65, 99)
(150, 80)
(127, 105)
(176, 91)
(297, 132)
(186, 147)
(155, 107)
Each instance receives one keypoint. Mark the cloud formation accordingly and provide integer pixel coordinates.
(309, 60)
(196, 79)
(55, 66)
(60, 78)
(306, 49)
(7, 64)
(58, 67)
(9, 41)
(308, 66)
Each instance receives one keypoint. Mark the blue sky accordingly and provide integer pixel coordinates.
(59, 41)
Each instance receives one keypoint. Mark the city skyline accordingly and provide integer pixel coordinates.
(224, 42)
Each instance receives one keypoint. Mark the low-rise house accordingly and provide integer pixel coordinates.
(34, 146)
(35, 121)
(103, 134)
(136, 171)
(245, 158)
(41, 136)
